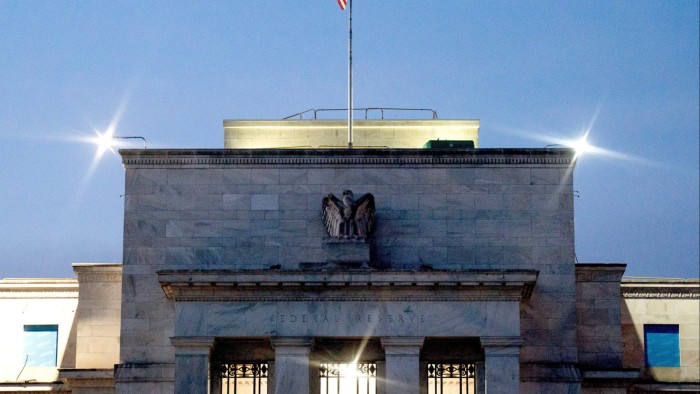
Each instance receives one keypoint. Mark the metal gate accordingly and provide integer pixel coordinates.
(451, 378)
(243, 378)
(351, 378)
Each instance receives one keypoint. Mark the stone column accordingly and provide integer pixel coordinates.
(480, 377)
(381, 373)
(192, 364)
(502, 359)
(215, 380)
(292, 369)
(402, 364)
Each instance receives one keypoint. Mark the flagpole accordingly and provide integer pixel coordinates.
(350, 77)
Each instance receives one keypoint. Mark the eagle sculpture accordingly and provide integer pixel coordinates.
(348, 218)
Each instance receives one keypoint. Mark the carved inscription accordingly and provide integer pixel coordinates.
(357, 318)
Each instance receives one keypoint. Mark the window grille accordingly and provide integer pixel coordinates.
(243, 378)
(451, 379)
(351, 378)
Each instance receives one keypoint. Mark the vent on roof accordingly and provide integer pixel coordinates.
(449, 144)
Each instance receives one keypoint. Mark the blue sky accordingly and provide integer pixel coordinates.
(171, 71)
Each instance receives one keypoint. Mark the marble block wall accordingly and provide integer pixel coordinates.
(98, 315)
(239, 209)
(662, 301)
(598, 311)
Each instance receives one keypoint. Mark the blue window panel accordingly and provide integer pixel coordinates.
(40, 345)
(662, 345)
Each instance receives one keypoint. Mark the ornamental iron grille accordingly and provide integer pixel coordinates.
(451, 379)
(360, 378)
(243, 378)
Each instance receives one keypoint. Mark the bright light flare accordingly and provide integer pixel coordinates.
(581, 145)
(104, 141)
(348, 370)
(584, 148)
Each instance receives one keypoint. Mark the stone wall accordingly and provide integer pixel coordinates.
(26, 302)
(662, 301)
(253, 209)
(98, 315)
(598, 315)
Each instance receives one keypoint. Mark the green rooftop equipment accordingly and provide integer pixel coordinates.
(449, 144)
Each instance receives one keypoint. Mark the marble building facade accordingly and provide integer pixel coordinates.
(227, 262)
(227, 246)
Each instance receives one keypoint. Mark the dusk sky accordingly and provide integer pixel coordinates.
(533, 72)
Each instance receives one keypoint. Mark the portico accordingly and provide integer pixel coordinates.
(292, 309)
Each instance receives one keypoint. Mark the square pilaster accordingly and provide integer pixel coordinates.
(292, 368)
(502, 364)
(192, 364)
(402, 364)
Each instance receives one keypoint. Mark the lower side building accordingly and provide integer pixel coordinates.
(62, 335)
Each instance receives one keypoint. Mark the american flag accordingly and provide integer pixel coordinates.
(342, 4)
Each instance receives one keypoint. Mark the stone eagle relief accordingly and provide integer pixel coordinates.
(348, 218)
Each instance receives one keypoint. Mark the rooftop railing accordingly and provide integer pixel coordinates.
(381, 110)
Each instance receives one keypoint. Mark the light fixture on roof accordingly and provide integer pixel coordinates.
(107, 139)
(131, 138)
(580, 146)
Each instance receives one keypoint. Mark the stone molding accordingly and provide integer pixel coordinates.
(87, 378)
(287, 343)
(33, 387)
(501, 346)
(620, 374)
(559, 372)
(599, 272)
(622, 379)
(111, 277)
(692, 295)
(501, 342)
(144, 372)
(669, 387)
(343, 157)
(680, 289)
(38, 294)
(402, 346)
(295, 285)
(98, 272)
(38, 288)
(192, 345)
(304, 123)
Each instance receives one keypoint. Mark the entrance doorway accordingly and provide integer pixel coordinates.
(351, 378)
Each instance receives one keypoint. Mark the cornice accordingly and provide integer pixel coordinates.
(659, 294)
(344, 157)
(38, 294)
(97, 270)
(38, 288)
(278, 285)
(310, 123)
(660, 290)
(100, 277)
(87, 378)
